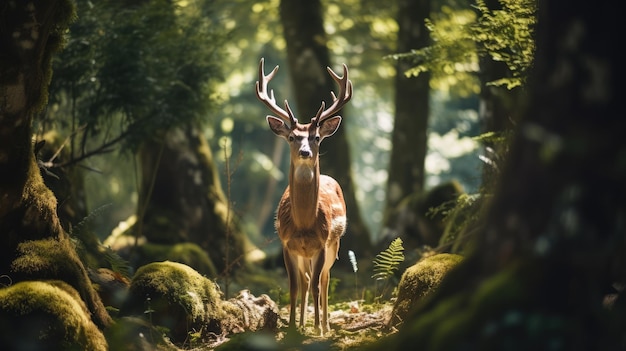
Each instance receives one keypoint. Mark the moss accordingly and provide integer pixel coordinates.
(37, 315)
(187, 253)
(175, 296)
(463, 220)
(522, 307)
(51, 259)
(419, 280)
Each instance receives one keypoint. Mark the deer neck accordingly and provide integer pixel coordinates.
(303, 192)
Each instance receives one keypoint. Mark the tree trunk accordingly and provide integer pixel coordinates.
(409, 136)
(181, 199)
(554, 242)
(496, 112)
(34, 245)
(308, 57)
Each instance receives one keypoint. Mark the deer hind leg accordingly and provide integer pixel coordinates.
(329, 259)
(317, 288)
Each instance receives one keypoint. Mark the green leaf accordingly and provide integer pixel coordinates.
(388, 260)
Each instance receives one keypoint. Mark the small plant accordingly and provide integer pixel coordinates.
(355, 268)
(388, 260)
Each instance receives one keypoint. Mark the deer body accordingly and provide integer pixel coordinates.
(311, 215)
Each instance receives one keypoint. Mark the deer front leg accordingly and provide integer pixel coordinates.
(304, 273)
(292, 278)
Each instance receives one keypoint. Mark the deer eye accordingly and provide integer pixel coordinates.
(317, 138)
(291, 138)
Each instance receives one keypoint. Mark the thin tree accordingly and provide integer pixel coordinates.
(409, 136)
(307, 58)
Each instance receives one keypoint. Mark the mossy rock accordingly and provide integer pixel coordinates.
(176, 297)
(46, 315)
(420, 280)
(52, 259)
(187, 253)
(140, 252)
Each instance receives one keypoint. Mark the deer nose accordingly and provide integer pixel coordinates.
(306, 153)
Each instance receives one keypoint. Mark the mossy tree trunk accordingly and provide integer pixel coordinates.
(181, 198)
(554, 242)
(30, 33)
(308, 57)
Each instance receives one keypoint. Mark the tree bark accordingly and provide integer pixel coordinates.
(497, 112)
(33, 244)
(308, 57)
(181, 199)
(409, 136)
(554, 241)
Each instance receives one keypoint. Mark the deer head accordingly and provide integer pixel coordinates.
(304, 139)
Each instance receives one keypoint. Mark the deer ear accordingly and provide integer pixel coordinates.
(278, 126)
(329, 126)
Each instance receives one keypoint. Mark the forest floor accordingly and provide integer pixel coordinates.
(352, 326)
(354, 323)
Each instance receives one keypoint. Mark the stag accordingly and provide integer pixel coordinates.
(311, 214)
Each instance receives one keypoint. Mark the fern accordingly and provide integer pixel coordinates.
(87, 244)
(117, 263)
(81, 229)
(388, 260)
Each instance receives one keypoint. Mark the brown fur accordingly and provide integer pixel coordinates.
(311, 215)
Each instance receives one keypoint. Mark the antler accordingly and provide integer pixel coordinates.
(269, 100)
(345, 94)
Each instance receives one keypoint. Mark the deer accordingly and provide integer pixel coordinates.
(311, 215)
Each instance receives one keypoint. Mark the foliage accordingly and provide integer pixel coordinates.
(461, 222)
(123, 77)
(462, 36)
(387, 261)
(128, 72)
(507, 35)
(238, 126)
(117, 263)
(91, 251)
